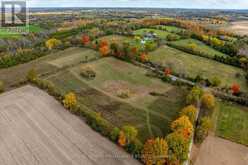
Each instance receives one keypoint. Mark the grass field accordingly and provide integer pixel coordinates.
(200, 47)
(171, 29)
(160, 33)
(232, 122)
(5, 33)
(115, 38)
(150, 114)
(192, 66)
(74, 56)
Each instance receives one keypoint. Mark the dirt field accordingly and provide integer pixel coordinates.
(240, 27)
(217, 151)
(35, 129)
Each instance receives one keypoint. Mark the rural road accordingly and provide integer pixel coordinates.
(36, 130)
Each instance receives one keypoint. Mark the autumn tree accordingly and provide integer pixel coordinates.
(167, 71)
(104, 51)
(189, 111)
(178, 148)
(143, 57)
(130, 132)
(155, 151)
(202, 129)
(235, 89)
(85, 39)
(70, 101)
(122, 140)
(53, 43)
(183, 125)
(208, 101)
(194, 96)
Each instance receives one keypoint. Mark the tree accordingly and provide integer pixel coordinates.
(103, 43)
(104, 50)
(114, 135)
(202, 129)
(53, 43)
(189, 111)
(178, 148)
(183, 125)
(122, 139)
(85, 39)
(208, 101)
(235, 89)
(143, 57)
(155, 151)
(70, 101)
(215, 81)
(167, 72)
(194, 95)
(130, 133)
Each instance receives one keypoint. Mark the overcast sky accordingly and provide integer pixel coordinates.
(220, 4)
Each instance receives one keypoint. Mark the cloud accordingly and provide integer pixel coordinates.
(227, 4)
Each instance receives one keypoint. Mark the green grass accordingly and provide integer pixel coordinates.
(192, 65)
(151, 115)
(232, 123)
(200, 47)
(160, 33)
(5, 33)
(171, 29)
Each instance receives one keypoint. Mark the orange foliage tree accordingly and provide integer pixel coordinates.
(143, 57)
(104, 50)
(235, 89)
(183, 125)
(122, 139)
(167, 72)
(85, 39)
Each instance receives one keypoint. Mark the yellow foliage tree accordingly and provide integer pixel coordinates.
(155, 151)
(189, 111)
(53, 43)
(70, 101)
(183, 125)
(208, 101)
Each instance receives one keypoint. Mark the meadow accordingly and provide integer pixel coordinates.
(160, 33)
(191, 66)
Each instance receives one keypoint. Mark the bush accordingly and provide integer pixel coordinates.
(202, 129)
(1, 87)
(88, 73)
(215, 82)
(115, 134)
(194, 96)
(32, 76)
(124, 94)
(70, 101)
(208, 102)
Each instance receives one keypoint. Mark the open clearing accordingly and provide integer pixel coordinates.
(217, 151)
(200, 47)
(171, 29)
(232, 122)
(239, 27)
(115, 38)
(192, 66)
(152, 115)
(160, 33)
(36, 129)
(74, 56)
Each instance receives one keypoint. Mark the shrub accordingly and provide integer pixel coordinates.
(32, 75)
(1, 87)
(70, 101)
(215, 82)
(189, 111)
(202, 129)
(53, 43)
(115, 134)
(124, 94)
(87, 72)
(122, 141)
(130, 132)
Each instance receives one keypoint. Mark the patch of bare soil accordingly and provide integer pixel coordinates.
(217, 151)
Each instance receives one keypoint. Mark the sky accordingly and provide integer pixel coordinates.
(208, 4)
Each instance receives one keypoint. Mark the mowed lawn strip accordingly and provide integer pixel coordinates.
(232, 122)
(192, 66)
(200, 47)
